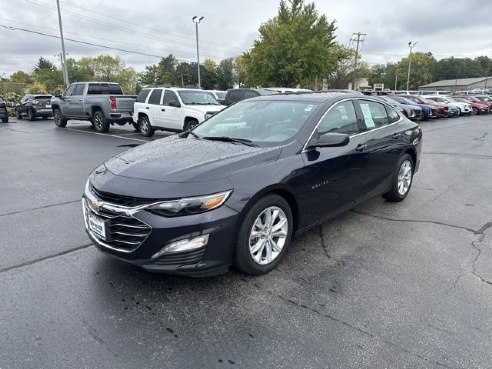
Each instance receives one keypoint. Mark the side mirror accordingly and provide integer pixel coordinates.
(330, 140)
(175, 103)
(57, 93)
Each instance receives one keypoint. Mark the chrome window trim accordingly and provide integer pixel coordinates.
(304, 148)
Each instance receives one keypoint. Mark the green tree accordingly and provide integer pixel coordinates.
(295, 47)
(209, 78)
(225, 74)
(79, 72)
(421, 73)
(37, 88)
(21, 77)
(385, 73)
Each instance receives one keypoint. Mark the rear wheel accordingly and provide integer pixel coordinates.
(145, 126)
(402, 180)
(264, 236)
(30, 115)
(101, 124)
(18, 115)
(474, 111)
(59, 119)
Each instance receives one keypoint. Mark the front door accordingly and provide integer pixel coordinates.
(331, 179)
(76, 104)
(66, 100)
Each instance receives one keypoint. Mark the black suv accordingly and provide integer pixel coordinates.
(237, 94)
(4, 115)
(33, 106)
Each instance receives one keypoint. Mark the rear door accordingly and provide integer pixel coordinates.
(154, 107)
(384, 145)
(331, 178)
(171, 116)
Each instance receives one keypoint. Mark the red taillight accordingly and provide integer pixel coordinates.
(112, 100)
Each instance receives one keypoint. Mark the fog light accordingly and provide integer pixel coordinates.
(183, 245)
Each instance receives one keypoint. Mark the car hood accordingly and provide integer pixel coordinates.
(205, 108)
(184, 160)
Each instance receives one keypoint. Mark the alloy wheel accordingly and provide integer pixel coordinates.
(268, 235)
(404, 177)
(98, 121)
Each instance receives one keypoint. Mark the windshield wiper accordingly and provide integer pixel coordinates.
(187, 133)
(243, 141)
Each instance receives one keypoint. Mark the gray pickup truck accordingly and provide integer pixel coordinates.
(101, 103)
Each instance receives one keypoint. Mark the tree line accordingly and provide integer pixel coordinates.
(295, 48)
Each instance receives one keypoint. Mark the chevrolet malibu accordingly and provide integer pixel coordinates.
(237, 188)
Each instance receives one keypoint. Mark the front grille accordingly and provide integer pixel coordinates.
(121, 199)
(124, 233)
(182, 258)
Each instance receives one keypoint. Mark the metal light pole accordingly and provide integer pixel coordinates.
(410, 45)
(197, 21)
(64, 59)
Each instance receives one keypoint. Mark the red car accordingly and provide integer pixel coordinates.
(442, 110)
(478, 106)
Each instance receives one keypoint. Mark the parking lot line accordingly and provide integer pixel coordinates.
(108, 134)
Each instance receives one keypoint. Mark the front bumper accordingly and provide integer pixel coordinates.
(153, 232)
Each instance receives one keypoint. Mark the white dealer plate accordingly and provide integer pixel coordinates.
(97, 225)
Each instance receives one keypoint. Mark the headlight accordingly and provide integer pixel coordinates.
(190, 205)
(208, 115)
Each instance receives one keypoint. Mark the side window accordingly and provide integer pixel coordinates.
(235, 96)
(250, 94)
(393, 116)
(79, 89)
(142, 96)
(374, 113)
(94, 89)
(341, 118)
(168, 97)
(69, 91)
(155, 96)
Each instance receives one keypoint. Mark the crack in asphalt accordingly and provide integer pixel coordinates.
(416, 221)
(39, 208)
(344, 323)
(323, 244)
(43, 258)
(480, 238)
(474, 156)
(481, 137)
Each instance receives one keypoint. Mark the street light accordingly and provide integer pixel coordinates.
(410, 45)
(197, 21)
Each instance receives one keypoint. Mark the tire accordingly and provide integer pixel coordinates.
(145, 127)
(101, 124)
(460, 113)
(402, 180)
(474, 111)
(59, 119)
(5, 120)
(18, 115)
(190, 124)
(30, 116)
(245, 258)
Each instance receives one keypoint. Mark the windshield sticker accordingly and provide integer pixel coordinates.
(366, 111)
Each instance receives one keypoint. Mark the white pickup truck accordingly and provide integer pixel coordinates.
(172, 109)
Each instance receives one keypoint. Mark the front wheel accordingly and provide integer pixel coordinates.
(402, 180)
(18, 115)
(190, 124)
(135, 125)
(59, 119)
(101, 124)
(264, 236)
(474, 111)
(145, 127)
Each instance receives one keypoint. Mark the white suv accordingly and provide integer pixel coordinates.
(172, 109)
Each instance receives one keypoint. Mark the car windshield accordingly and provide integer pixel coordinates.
(191, 97)
(262, 122)
(408, 101)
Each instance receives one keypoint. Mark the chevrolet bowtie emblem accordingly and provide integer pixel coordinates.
(95, 205)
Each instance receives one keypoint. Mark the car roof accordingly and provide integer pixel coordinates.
(318, 97)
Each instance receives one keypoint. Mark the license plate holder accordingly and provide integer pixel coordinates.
(98, 226)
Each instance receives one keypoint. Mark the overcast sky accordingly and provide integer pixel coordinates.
(460, 28)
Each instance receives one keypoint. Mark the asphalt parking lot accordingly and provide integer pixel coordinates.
(405, 285)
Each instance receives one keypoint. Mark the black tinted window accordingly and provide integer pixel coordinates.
(393, 116)
(235, 95)
(104, 89)
(168, 97)
(155, 96)
(115, 89)
(96, 89)
(79, 89)
(374, 113)
(142, 96)
(341, 118)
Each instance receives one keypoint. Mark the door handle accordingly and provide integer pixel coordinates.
(146, 107)
(396, 136)
(361, 147)
(163, 109)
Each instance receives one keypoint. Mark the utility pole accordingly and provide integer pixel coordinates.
(197, 21)
(358, 38)
(410, 45)
(396, 80)
(64, 59)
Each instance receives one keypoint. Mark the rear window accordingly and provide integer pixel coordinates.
(104, 89)
(142, 96)
(37, 97)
